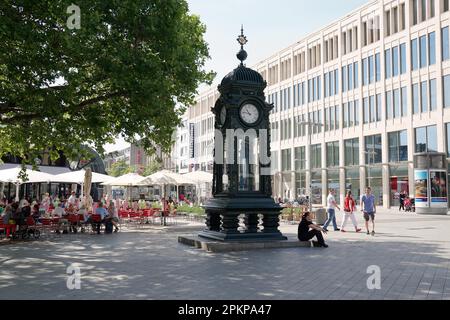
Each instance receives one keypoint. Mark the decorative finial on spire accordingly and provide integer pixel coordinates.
(242, 40)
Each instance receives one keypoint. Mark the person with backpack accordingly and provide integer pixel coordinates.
(349, 208)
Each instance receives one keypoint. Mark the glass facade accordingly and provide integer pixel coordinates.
(333, 182)
(445, 44)
(388, 63)
(433, 97)
(446, 89)
(415, 98)
(333, 154)
(398, 146)
(398, 183)
(316, 156)
(352, 182)
(351, 153)
(402, 58)
(432, 48)
(426, 139)
(375, 181)
(414, 55)
(373, 150)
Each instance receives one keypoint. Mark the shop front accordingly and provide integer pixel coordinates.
(333, 183)
(375, 181)
(398, 183)
(352, 183)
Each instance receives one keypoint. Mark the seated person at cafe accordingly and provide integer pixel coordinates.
(59, 211)
(102, 212)
(308, 230)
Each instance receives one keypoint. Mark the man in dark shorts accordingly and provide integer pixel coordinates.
(369, 209)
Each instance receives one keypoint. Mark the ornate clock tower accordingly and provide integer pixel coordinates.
(242, 184)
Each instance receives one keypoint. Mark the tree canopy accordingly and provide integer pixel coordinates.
(126, 71)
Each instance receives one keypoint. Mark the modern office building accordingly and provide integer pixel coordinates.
(375, 83)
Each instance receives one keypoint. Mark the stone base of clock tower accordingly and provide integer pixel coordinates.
(261, 219)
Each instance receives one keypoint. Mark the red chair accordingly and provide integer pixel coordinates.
(8, 228)
(96, 221)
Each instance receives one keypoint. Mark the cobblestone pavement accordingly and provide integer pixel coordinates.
(412, 251)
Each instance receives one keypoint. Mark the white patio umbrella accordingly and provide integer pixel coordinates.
(200, 177)
(33, 176)
(78, 177)
(127, 180)
(165, 177)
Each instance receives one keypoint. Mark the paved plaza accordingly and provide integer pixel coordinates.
(412, 252)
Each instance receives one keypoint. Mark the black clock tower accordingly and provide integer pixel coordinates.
(242, 184)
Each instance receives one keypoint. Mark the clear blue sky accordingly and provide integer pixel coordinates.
(269, 26)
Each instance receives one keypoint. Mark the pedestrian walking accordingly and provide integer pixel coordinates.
(331, 210)
(369, 209)
(349, 208)
(402, 198)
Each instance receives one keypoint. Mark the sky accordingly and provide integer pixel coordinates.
(269, 25)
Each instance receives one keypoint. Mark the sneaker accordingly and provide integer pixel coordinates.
(116, 230)
(368, 232)
(337, 229)
(324, 246)
(358, 230)
(325, 229)
(342, 230)
(373, 233)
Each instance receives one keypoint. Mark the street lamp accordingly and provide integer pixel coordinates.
(310, 124)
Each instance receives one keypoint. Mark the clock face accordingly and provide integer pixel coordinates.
(249, 113)
(223, 115)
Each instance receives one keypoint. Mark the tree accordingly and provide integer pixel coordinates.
(130, 69)
(120, 168)
(153, 167)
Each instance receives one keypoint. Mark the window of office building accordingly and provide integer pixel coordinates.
(433, 97)
(377, 67)
(344, 79)
(286, 156)
(373, 150)
(445, 44)
(356, 105)
(403, 58)
(415, 98)
(424, 96)
(356, 73)
(366, 110)
(423, 51)
(333, 154)
(389, 112)
(446, 89)
(432, 48)
(371, 70)
(398, 146)
(316, 156)
(299, 158)
(404, 93)
(426, 139)
(351, 151)
(379, 106)
(395, 67)
(388, 63)
(414, 55)
(364, 72)
(350, 77)
(396, 103)
(373, 113)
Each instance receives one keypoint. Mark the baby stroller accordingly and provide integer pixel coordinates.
(409, 204)
(27, 229)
